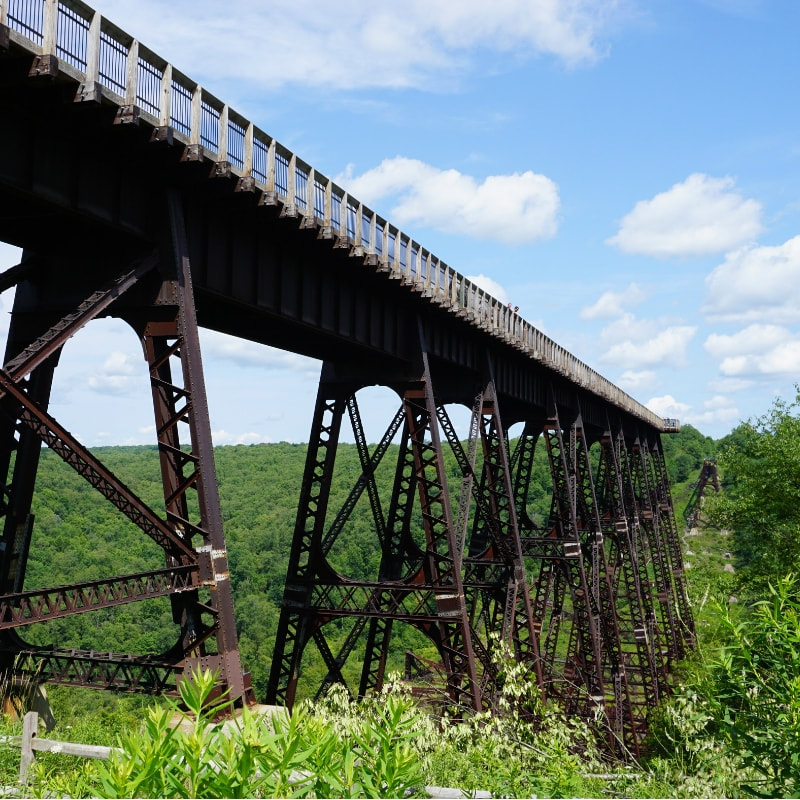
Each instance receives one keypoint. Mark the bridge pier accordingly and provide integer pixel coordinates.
(155, 297)
(583, 599)
(420, 580)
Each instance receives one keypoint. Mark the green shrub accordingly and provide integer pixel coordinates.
(282, 755)
(752, 689)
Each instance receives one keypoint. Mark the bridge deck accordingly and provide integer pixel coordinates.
(85, 54)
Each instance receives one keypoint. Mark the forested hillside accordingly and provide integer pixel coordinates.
(732, 728)
(79, 536)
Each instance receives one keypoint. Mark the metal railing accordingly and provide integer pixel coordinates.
(95, 52)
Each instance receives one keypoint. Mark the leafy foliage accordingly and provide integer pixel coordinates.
(280, 755)
(760, 466)
(751, 690)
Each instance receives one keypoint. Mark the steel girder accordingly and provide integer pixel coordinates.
(602, 571)
(620, 523)
(451, 564)
(190, 535)
(584, 599)
(421, 585)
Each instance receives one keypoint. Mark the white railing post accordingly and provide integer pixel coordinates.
(385, 242)
(372, 234)
(249, 133)
(434, 279)
(165, 104)
(311, 193)
(271, 165)
(394, 262)
(344, 213)
(222, 135)
(327, 205)
(359, 213)
(197, 116)
(132, 74)
(93, 48)
(290, 180)
(3, 12)
(50, 27)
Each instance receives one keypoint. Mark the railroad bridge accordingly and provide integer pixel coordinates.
(135, 193)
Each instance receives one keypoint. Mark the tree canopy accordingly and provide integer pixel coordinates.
(760, 467)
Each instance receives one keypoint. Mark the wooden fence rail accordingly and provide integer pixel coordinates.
(30, 742)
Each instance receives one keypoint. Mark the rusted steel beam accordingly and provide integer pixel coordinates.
(26, 608)
(55, 338)
(94, 670)
(415, 585)
(13, 275)
(196, 574)
(626, 578)
(85, 464)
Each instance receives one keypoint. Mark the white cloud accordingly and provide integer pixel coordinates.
(251, 354)
(756, 351)
(356, 43)
(718, 409)
(667, 347)
(613, 304)
(633, 381)
(629, 326)
(752, 339)
(781, 360)
(730, 385)
(491, 286)
(756, 283)
(667, 406)
(699, 217)
(512, 209)
(221, 437)
(118, 377)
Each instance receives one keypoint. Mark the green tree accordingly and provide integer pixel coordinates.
(761, 470)
(751, 690)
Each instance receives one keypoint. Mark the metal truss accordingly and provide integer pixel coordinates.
(420, 580)
(25, 608)
(195, 576)
(602, 572)
(583, 599)
(708, 475)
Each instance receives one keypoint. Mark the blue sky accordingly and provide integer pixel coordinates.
(627, 172)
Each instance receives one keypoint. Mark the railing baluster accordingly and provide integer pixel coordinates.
(195, 127)
(290, 180)
(249, 134)
(310, 193)
(327, 204)
(358, 221)
(344, 214)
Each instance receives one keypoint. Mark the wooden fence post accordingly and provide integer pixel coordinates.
(29, 726)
